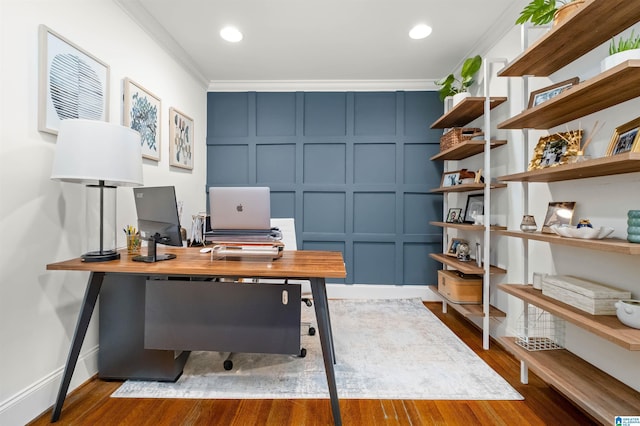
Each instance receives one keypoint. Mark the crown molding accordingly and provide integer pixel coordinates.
(321, 85)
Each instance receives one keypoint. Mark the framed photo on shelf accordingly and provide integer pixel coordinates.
(453, 246)
(72, 82)
(540, 96)
(454, 215)
(475, 206)
(142, 111)
(626, 138)
(180, 139)
(555, 149)
(558, 213)
(450, 179)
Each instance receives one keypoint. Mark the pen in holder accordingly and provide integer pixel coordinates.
(133, 240)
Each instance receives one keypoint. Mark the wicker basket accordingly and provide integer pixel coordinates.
(458, 135)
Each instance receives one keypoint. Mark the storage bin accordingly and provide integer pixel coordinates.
(592, 297)
(458, 135)
(460, 288)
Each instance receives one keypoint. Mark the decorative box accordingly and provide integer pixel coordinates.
(460, 288)
(588, 296)
(458, 135)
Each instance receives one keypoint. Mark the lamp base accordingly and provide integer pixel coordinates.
(100, 256)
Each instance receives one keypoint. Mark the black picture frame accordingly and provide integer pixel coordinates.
(454, 215)
(475, 205)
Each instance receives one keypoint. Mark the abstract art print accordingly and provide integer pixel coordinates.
(180, 139)
(142, 113)
(72, 83)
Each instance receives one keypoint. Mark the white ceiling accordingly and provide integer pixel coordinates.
(323, 40)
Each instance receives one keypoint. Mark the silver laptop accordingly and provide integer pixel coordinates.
(239, 208)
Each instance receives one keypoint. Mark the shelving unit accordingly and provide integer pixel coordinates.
(465, 112)
(599, 394)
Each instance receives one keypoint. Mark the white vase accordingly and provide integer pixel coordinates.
(618, 58)
(459, 97)
(448, 103)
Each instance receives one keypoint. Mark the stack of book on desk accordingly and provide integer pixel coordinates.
(231, 243)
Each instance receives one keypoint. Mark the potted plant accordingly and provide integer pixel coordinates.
(624, 50)
(541, 12)
(451, 86)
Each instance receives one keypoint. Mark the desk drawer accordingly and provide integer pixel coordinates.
(226, 317)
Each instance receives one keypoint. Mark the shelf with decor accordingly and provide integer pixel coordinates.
(611, 245)
(466, 149)
(466, 267)
(466, 111)
(567, 42)
(467, 187)
(612, 87)
(597, 393)
(628, 162)
(466, 226)
(470, 310)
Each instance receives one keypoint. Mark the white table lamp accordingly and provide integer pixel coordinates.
(102, 156)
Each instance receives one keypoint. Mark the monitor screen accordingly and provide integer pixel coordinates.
(158, 220)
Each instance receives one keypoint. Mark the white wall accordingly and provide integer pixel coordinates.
(41, 220)
(603, 200)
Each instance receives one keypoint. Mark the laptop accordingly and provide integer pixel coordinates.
(240, 208)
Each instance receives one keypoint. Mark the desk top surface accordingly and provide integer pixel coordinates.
(190, 262)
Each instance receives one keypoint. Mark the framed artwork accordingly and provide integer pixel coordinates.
(450, 179)
(453, 246)
(626, 138)
(475, 206)
(180, 139)
(558, 213)
(142, 111)
(540, 96)
(556, 149)
(72, 82)
(454, 215)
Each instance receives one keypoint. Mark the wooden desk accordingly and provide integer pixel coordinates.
(314, 266)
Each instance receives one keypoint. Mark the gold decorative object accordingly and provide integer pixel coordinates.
(555, 149)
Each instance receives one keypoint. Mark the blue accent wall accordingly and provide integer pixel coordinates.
(352, 168)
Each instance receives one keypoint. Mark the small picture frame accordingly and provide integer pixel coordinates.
(626, 138)
(555, 149)
(454, 215)
(540, 96)
(453, 246)
(475, 206)
(558, 213)
(450, 179)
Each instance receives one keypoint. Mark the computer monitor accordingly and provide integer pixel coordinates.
(158, 220)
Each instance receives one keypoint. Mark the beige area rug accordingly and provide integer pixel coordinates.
(385, 349)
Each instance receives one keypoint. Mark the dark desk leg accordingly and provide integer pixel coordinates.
(89, 302)
(326, 341)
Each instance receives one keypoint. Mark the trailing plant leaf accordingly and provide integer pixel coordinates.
(469, 68)
(540, 12)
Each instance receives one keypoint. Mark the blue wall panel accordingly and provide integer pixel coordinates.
(352, 169)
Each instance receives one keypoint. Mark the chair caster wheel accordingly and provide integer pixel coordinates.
(312, 331)
(228, 365)
(303, 353)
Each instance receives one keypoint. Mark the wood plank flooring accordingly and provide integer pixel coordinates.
(91, 405)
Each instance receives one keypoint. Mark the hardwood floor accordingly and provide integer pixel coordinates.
(91, 404)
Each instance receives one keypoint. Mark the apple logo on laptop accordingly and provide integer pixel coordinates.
(239, 207)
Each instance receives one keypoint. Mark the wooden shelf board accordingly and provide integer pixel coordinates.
(567, 42)
(612, 245)
(467, 226)
(467, 187)
(466, 149)
(465, 112)
(468, 267)
(594, 391)
(606, 326)
(617, 85)
(468, 310)
(628, 162)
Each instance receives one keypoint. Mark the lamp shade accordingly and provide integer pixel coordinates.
(90, 151)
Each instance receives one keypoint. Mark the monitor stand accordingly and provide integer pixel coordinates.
(152, 256)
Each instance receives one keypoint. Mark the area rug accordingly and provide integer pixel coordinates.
(385, 349)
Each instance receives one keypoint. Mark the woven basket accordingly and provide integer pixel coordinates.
(458, 135)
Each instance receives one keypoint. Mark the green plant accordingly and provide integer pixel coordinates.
(451, 85)
(540, 12)
(624, 44)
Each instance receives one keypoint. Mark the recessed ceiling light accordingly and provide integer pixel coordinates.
(420, 31)
(231, 34)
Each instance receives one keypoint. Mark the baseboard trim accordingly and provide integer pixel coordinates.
(34, 400)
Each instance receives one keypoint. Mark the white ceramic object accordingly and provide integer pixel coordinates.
(584, 233)
(618, 58)
(459, 97)
(628, 312)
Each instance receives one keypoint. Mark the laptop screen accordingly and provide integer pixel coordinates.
(240, 207)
